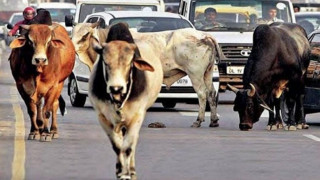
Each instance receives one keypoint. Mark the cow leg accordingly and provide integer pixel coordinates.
(116, 142)
(39, 116)
(278, 114)
(54, 124)
(200, 88)
(32, 111)
(300, 115)
(272, 124)
(291, 124)
(211, 97)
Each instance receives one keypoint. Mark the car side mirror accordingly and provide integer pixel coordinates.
(9, 26)
(68, 19)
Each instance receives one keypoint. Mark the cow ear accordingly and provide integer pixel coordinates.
(142, 65)
(18, 42)
(57, 43)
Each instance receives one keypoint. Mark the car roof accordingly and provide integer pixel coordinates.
(307, 13)
(57, 5)
(119, 14)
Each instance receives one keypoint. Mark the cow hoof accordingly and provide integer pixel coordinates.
(125, 177)
(302, 126)
(214, 124)
(34, 136)
(196, 124)
(55, 135)
(45, 138)
(133, 177)
(272, 127)
(280, 126)
(290, 128)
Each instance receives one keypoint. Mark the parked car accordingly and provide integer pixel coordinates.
(142, 21)
(14, 18)
(310, 21)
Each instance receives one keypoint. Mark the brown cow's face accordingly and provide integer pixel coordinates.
(40, 38)
(118, 61)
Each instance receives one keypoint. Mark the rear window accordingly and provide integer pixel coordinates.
(87, 9)
(153, 24)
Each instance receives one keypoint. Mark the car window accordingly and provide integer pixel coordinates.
(16, 18)
(87, 9)
(315, 47)
(102, 23)
(152, 24)
(92, 20)
(58, 15)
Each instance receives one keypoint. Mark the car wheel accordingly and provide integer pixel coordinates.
(169, 104)
(76, 99)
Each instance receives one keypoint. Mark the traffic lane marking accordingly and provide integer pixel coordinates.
(19, 157)
(310, 136)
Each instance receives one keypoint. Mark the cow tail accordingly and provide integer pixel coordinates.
(215, 46)
(62, 105)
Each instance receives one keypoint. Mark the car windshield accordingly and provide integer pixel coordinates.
(16, 18)
(151, 24)
(309, 22)
(238, 15)
(87, 9)
(58, 15)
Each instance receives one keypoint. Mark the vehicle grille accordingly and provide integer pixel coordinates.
(236, 52)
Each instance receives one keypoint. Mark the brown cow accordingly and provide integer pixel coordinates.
(40, 62)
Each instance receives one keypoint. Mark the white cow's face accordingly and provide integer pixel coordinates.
(117, 60)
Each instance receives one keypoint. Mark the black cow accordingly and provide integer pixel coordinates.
(277, 63)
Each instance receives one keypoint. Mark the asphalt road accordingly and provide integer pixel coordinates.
(173, 153)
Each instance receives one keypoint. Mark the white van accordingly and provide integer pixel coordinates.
(86, 7)
(235, 36)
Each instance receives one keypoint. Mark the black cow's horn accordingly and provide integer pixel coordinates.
(234, 89)
(251, 91)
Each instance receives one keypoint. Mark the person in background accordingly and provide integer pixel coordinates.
(210, 19)
(28, 15)
(272, 17)
(296, 8)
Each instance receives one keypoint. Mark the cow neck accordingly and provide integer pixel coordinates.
(119, 108)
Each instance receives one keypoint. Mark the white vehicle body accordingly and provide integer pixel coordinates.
(86, 7)
(58, 11)
(181, 91)
(239, 19)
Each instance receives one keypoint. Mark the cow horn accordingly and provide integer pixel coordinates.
(232, 88)
(265, 106)
(25, 26)
(251, 91)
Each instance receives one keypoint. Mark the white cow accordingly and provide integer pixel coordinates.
(122, 86)
(182, 52)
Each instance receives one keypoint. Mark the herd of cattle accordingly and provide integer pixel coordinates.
(128, 68)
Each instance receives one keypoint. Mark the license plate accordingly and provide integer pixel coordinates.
(185, 81)
(235, 69)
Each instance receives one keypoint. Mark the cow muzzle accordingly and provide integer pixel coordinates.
(245, 126)
(40, 62)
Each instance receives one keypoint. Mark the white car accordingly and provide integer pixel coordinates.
(58, 11)
(181, 91)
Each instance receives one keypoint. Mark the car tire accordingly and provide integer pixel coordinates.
(76, 99)
(169, 104)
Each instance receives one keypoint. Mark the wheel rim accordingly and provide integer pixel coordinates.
(73, 90)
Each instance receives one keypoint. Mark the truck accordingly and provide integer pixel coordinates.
(239, 18)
